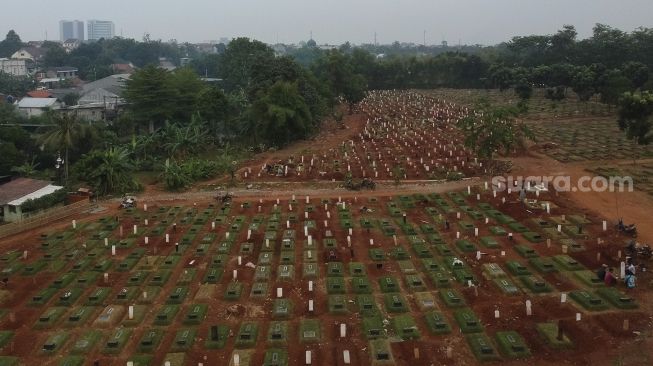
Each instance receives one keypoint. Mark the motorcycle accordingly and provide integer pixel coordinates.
(627, 229)
(128, 202)
(636, 250)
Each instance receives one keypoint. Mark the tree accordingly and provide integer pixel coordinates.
(613, 86)
(237, 61)
(55, 56)
(174, 176)
(335, 69)
(281, 115)
(493, 129)
(28, 169)
(10, 44)
(65, 134)
(501, 77)
(179, 141)
(635, 110)
(16, 86)
(637, 73)
(151, 97)
(71, 99)
(583, 83)
(524, 90)
(215, 108)
(187, 86)
(109, 171)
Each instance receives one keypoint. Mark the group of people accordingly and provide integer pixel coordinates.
(607, 275)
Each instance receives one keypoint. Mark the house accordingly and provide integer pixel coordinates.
(34, 107)
(35, 54)
(106, 91)
(62, 72)
(14, 193)
(16, 67)
(94, 112)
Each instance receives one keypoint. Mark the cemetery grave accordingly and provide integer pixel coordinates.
(298, 290)
(406, 136)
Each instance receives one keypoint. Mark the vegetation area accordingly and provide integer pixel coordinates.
(181, 129)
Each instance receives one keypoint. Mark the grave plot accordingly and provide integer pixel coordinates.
(587, 140)
(407, 136)
(539, 106)
(320, 276)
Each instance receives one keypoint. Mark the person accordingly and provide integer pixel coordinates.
(631, 268)
(630, 280)
(601, 272)
(446, 224)
(610, 279)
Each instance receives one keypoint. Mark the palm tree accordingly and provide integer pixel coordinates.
(67, 130)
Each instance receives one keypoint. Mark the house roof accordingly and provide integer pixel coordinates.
(63, 69)
(113, 84)
(39, 94)
(36, 194)
(28, 102)
(20, 187)
(35, 52)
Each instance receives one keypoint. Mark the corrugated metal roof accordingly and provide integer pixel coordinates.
(20, 187)
(34, 195)
(37, 102)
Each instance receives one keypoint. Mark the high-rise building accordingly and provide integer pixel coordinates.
(71, 29)
(98, 29)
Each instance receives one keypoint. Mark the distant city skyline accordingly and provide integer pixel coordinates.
(333, 22)
(71, 29)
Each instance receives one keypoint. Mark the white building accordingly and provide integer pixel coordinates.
(98, 29)
(71, 29)
(14, 67)
(33, 107)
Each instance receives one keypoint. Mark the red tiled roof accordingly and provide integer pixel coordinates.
(20, 187)
(39, 94)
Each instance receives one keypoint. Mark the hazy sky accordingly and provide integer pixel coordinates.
(332, 21)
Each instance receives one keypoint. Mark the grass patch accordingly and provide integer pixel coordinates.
(452, 299)
(437, 323)
(468, 321)
(217, 337)
(512, 345)
(405, 327)
(617, 298)
(309, 330)
(395, 303)
(549, 332)
(482, 347)
(247, 335)
(588, 300)
(150, 340)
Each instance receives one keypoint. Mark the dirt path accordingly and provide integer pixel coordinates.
(632, 206)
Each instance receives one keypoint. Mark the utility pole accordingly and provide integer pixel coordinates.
(375, 44)
(424, 38)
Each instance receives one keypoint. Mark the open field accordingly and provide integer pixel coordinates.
(395, 289)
